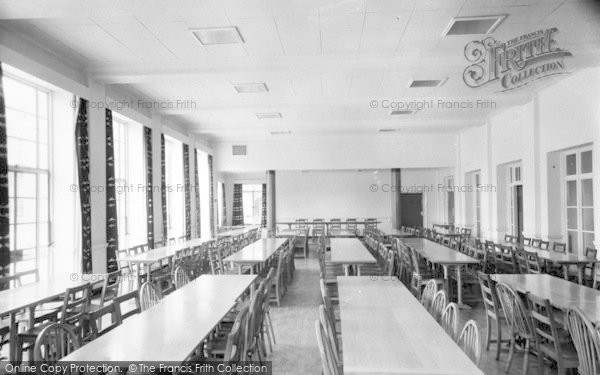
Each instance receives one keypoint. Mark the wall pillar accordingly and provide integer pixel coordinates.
(271, 209)
(396, 192)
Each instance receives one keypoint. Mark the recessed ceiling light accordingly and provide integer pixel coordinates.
(218, 35)
(387, 130)
(473, 25)
(418, 83)
(246, 88)
(282, 132)
(268, 115)
(403, 112)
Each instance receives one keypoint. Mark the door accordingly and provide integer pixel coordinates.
(411, 210)
(518, 193)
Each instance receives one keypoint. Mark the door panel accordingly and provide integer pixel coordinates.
(411, 211)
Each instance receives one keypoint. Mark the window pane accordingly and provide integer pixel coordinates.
(43, 186)
(26, 210)
(588, 240)
(19, 96)
(26, 265)
(42, 104)
(586, 162)
(572, 241)
(571, 164)
(571, 193)
(587, 193)
(43, 233)
(22, 153)
(43, 209)
(12, 237)
(26, 185)
(587, 218)
(25, 235)
(518, 174)
(43, 157)
(20, 124)
(572, 218)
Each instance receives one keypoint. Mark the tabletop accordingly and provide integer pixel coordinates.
(235, 232)
(437, 253)
(163, 252)
(349, 251)
(15, 299)
(258, 251)
(385, 330)
(553, 256)
(172, 329)
(562, 293)
(398, 233)
(342, 233)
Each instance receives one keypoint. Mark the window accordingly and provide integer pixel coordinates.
(579, 200)
(220, 204)
(175, 188)
(450, 200)
(252, 200)
(28, 127)
(203, 180)
(515, 199)
(477, 204)
(130, 180)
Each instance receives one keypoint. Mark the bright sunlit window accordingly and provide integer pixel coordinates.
(252, 199)
(175, 188)
(203, 177)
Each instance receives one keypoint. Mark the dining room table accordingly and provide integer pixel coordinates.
(350, 252)
(256, 253)
(386, 330)
(445, 257)
(171, 330)
(398, 233)
(342, 233)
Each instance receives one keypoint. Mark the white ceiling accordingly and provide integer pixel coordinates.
(323, 62)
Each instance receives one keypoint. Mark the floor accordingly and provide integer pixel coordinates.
(296, 350)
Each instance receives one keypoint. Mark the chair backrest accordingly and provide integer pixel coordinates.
(149, 296)
(301, 223)
(517, 315)
(559, 247)
(488, 294)
(327, 357)
(438, 305)
(111, 286)
(76, 304)
(527, 241)
(97, 321)
(586, 341)
(544, 245)
(533, 262)
(390, 264)
(535, 242)
(335, 224)
(234, 348)
(214, 258)
(54, 342)
(591, 252)
(545, 325)
(129, 304)
(180, 277)
(330, 332)
(351, 224)
(468, 340)
(521, 261)
(428, 294)
(449, 320)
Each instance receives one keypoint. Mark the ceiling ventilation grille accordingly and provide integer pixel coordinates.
(268, 115)
(218, 35)
(247, 88)
(396, 113)
(417, 83)
(388, 130)
(238, 150)
(473, 25)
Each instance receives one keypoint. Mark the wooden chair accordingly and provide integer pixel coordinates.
(94, 320)
(552, 340)
(318, 228)
(232, 346)
(180, 277)
(533, 262)
(351, 224)
(469, 341)
(335, 224)
(544, 245)
(527, 241)
(255, 349)
(588, 269)
(586, 341)
(559, 247)
(301, 243)
(519, 323)
(428, 294)
(149, 296)
(493, 312)
(276, 283)
(301, 224)
(331, 333)
(329, 366)
(54, 342)
(449, 320)
(129, 304)
(438, 304)
(521, 261)
(535, 242)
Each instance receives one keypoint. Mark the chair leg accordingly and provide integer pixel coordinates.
(511, 351)
(499, 338)
(488, 333)
(526, 358)
(270, 326)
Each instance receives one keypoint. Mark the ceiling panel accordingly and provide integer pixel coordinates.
(138, 39)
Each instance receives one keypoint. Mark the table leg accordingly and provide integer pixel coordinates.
(12, 339)
(446, 278)
(565, 271)
(459, 286)
(358, 269)
(580, 268)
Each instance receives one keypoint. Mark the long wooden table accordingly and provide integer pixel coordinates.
(350, 251)
(236, 232)
(398, 233)
(171, 330)
(343, 233)
(27, 297)
(256, 253)
(385, 330)
(561, 293)
(445, 257)
(327, 223)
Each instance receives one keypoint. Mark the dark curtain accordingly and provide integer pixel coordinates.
(4, 214)
(211, 195)
(263, 212)
(112, 229)
(188, 198)
(224, 208)
(149, 190)
(197, 194)
(237, 216)
(83, 169)
(163, 186)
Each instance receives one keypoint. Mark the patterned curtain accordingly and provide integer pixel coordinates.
(211, 195)
(237, 217)
(149, 190)
(188, 198)
(83, 169)
(224, 208)
(112, 229)
(163, 186)
(4, 215)
(197, 194)
(263, 213)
